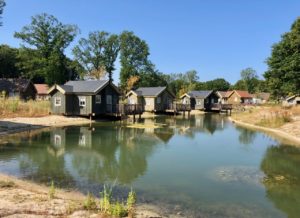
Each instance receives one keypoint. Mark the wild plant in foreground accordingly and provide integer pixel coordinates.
(52, 190)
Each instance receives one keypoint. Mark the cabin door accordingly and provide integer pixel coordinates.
(108, 103)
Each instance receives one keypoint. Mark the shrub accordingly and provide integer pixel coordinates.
(52, 190)
(90, 202)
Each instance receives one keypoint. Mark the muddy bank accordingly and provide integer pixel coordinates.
(20, 198)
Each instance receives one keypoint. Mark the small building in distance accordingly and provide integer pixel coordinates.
(17, 88)
(222, 96)
(239, 97)
(261, 98)
(292, 100)
(42, 92)
(153, 99)
(200, 100)
(85, 98)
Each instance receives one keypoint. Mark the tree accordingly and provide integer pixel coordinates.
(250, 78)
(240, 85)
(2, 5)
(283, 74)
(8, 62)
(134, 54)
(49, 38)
(99, 51)
(218, 84)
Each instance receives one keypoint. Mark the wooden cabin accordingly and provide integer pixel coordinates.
(239, 97)
(222, 96)
(200, 100)
(153, 99)
(292, 100)
(85, 98)
(261, 98)
(42, 92)
(17, 88)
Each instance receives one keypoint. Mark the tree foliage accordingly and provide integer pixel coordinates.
(8, 62)
(47, 38)
(283, 74)
(250, 78)
(134, 54)
(2, 5)
(218, 84)
(99, 51)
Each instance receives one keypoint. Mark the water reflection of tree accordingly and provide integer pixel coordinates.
(246, 136)
(281, 167)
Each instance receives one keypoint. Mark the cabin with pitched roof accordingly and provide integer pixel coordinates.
(222, 96)
(239, 97)
(18, 88)
(153, 99)
(42, 92)
(84, 98)
(293, 100)
(200, 100)
(261, 97)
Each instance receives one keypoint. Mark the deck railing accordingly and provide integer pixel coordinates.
(178, 107)
(130, 109)
(219, 106)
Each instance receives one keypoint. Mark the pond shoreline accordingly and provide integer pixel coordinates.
(25, 198)
(278, 134)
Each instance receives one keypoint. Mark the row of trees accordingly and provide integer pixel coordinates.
(42, 58)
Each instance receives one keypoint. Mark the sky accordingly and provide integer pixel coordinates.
(217, 38)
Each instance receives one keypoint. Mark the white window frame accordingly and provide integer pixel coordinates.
(55, 101)
(158, 100)
(82, 99)
(98, 99)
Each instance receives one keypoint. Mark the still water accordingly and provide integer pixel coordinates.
(201, 167)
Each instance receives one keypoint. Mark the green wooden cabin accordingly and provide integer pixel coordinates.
(84, 98)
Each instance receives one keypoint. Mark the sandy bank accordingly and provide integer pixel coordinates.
(20, 198)
(19, 124)
(284, 134)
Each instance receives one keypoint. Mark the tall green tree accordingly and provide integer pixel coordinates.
(2, 4)
(218, 84)
(8, 62)
(49, 37)
(250, 78)
(99, 50)
(134, 54)
(283, 74)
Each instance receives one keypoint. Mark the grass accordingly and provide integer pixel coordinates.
(10, 108)
(268, 116)
(7, 184)
(106, 205)
(52, 191)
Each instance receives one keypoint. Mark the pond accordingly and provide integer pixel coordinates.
(203, 166)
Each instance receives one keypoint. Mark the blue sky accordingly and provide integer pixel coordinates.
(218, 38)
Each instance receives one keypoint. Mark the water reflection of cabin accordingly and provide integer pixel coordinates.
(153, 99)
(86, 98)
(200, 100)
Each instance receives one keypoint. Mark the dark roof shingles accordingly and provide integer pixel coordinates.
(149, 91)
(84, 86)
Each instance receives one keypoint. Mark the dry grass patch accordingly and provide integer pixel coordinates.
(10, 108)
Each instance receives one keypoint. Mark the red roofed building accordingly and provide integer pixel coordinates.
(42, 92)
(239, 97)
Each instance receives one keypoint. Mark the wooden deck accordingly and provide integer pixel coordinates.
(129, 109)
(221, 108)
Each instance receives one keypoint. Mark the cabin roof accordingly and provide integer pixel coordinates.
(13, 85)
(242, 94)
(149, 91)
(222, 93)
(293, 96)
(42, 89)
(263, 95)
(200, 94)
(84, 87)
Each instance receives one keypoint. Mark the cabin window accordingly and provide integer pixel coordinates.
(82, 101)
(158, 100)
(98, 99)
(148, 101)
(235, 99)
(57, 101)
(198, 102)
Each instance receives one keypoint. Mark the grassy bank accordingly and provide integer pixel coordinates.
(10, 108)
